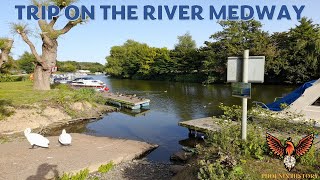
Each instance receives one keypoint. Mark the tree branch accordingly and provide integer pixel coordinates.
(33, 49)
(69, 26)
(42, 23)
(53, 21)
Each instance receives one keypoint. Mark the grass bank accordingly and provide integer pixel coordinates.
(226, 156)
(21, 106)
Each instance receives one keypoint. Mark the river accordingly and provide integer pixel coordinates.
(171, 102)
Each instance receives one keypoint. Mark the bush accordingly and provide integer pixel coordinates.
(106, 168)
(311, 158)
(233, 112)
(221, 160)
(10, 78)
(4, 110)
(64, 87)
(82, 175)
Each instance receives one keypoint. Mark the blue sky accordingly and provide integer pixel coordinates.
(92, 41)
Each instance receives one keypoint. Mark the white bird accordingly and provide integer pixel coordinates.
(65, 138)
(36, 139)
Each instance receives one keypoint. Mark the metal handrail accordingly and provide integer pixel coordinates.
(261, 104)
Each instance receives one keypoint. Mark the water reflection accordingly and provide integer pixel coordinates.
(170, 103)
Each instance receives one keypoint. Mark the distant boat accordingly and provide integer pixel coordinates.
(87, 82)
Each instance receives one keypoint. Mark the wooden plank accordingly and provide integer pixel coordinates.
(126, 100)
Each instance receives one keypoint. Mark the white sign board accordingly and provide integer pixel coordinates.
(255, 69)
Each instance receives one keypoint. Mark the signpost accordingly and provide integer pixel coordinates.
(252, 70)
(245, 100)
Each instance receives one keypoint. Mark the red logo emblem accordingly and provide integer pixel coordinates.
(289, 150)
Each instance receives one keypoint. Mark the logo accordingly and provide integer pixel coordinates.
(289, 151)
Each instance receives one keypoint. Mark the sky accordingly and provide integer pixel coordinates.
(92, 41)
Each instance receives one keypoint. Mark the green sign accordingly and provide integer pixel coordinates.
(242, 90)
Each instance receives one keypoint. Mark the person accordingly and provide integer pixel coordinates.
(31, 77)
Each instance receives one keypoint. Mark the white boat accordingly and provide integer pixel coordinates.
(87, 82)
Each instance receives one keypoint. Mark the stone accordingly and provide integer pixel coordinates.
(175, 169)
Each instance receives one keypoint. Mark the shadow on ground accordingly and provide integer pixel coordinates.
(45, 171)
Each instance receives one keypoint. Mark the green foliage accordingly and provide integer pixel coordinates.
(10, 78)
(225, 154)
(19, 28)
(221, 158)
(311, 158)
(4, 43)
(82, 175)
(233, 112)
(66, 67)
(185, 43)
(216, 171)
(297, 59)
(132, 59)
(9, 67)
(26, 62)
(106, 168)
(254, 146)
(72, 66)
(291, 57)
(5, 111)
(67, 96)
(63, 3)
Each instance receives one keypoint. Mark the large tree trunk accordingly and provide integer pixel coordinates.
(41, 78)
(42, 73)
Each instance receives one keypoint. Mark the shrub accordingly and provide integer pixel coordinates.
(64, 87)
(233, 112)
(311, 158)
(4, 110)
(9, 78)
(82, 175)
(106, 168)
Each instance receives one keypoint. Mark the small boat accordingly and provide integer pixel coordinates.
(87, 82)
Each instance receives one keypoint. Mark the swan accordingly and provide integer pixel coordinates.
(36, 139)
(65, 138)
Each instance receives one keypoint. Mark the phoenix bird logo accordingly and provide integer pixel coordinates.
(289, 151)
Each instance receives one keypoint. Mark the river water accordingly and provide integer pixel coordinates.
(171, 102)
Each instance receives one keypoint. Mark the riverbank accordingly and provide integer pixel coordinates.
(226, 156)
(21, 107)
(18, 161)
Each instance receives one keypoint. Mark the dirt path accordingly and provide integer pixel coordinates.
(18, 161)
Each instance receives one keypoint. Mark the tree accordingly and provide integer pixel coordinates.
(303, 52)
(49, 37)
(131, 59)
(5, 47)
(185, 43)
(185, 54)
(27, 62)
(9, 67)
(235, 37)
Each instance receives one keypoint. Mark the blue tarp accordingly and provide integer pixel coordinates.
(290, 98)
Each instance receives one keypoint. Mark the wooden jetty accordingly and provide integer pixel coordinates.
(202, 125)
(127, 101)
